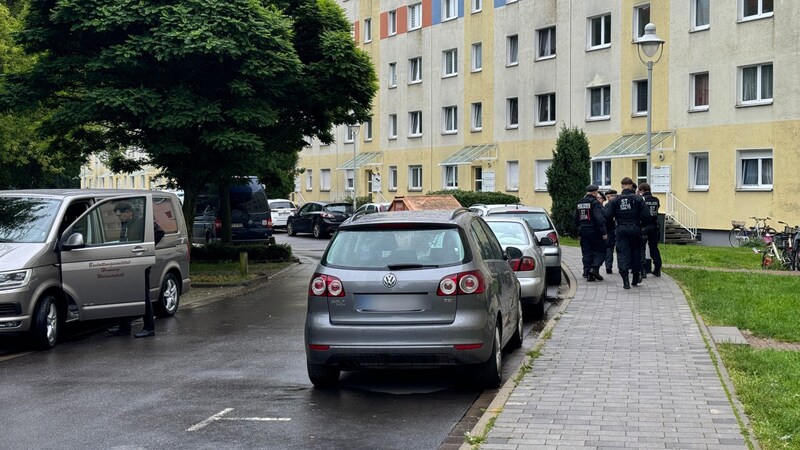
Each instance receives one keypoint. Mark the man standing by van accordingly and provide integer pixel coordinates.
(131, 227)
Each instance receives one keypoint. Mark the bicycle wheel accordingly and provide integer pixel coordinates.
(737, 237)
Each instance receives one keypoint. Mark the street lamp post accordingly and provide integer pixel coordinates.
(649, 44)
(354, 130)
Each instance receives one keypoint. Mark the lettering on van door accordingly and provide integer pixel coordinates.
(110, 269)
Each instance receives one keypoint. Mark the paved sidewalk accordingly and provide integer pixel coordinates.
(623, 369)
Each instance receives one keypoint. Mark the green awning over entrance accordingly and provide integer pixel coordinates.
(363, 159)
(632, 145)
(470, 153)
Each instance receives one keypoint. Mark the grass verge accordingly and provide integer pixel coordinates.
(229, 272)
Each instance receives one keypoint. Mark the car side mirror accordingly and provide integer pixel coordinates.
(545, 241)
(75, 240)
(513, 253)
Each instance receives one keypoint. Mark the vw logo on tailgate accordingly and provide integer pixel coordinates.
(389, 280)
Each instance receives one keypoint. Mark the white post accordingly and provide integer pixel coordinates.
(354, 129)
(649, 118)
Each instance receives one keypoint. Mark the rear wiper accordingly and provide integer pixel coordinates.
(410, 266)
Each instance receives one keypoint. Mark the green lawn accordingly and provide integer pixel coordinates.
(228, 272)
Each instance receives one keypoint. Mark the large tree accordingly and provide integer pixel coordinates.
(568, 177)
(209, 89)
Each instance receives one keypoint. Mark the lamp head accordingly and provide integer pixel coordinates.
(650, 42)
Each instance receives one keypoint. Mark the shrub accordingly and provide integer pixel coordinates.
(568, 177)
(230, 252)
(469, 198)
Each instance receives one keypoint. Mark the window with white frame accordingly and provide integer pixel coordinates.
(639, 98)
(392, 126)
(477, 177)
(450, 62)
(348, 179)
(449, 9)
(391, 19)
(415, 124)
(325, 179)
(512, 112)
(477, 57)
(368, 130)
(415, 16)
(476, 122)
(349, 135)
(450, 119)
(547, 43)
(477, 5)
(600, 102)
(392, 178)
(599, 32)
(540, 173)
(546, 109)
(309, 179)
(755, 84)
(414, 178)
(698, 170)
(641, 171)
(699, 97)
(450, 177)
(415, 70)
(755, 9)
(700, 15)
(367, 30)
(641, 17)
(601, 173)
(512, 175)
(392, 75)
(754, 169)
(512, 50)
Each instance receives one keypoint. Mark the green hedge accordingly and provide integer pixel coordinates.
(469, 198)
(230, 252)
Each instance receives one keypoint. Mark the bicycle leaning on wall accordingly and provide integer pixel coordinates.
(782, 249)
(741, 234)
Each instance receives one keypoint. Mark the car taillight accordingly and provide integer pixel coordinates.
(524, 264)
(325, 286)
(266, 223)
(218, 225)
(327, 216)
(553, 237)
(463, 283)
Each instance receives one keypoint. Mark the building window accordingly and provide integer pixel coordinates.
(540, 173)
(309, 179)
(641, 172)
(639, 97)
(449, 62)
(450, 119)
(477, 57)
(392, 22)
(450, 177)
(367, 30)
(414, 178)
(600, 103)
(512, 50)
(477, 176)
(699, 92)
(392, 75)
(477, 5)
(415, 16)
(512, 112)
(392, 126)
(512, 175)
(325, 179)
(698, 171)
(415, 70)
(392, 178)
(348, 179)
(547, 43)
(415, 124)
(755, 9)
(477, 117)
(449, 9)
(601, 173)
(546, 109)
(368, 130)
(349, 135)
(700, 15)
(641, 17)
(600, 32)
(756, 84)
(754, 169)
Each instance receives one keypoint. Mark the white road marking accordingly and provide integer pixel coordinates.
(213, 418)
(259, 419)
(219, 416)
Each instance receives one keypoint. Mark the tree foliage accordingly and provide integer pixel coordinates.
(568, 177)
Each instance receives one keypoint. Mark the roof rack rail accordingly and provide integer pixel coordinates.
(458, 211)
(357, 215)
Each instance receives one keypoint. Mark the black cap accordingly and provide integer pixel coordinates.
(611, 192)
(592, 188)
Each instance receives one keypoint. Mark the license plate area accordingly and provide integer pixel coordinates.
(370, 303)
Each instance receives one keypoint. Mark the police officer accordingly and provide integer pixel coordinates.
(650, 229)
(611, 229)
(629, 210)
(590, 222)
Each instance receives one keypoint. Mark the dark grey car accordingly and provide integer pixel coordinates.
(417, 289)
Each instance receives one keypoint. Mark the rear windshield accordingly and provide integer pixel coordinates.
(340, 208)
(281, 205)
(26, 219)
(537, 220)
(509, 233)
(379, 248)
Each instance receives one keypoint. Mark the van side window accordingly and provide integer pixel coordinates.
(74, 210)
(164, 215)
(113, 222)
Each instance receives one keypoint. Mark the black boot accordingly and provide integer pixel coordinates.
(637, 278)
(625, 283)
(609, 271)
(596, 274)
(644, 274)
(657, 271)
(590, 276)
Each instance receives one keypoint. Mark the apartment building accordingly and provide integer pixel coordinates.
(473, 94)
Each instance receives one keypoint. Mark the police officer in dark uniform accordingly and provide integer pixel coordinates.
(611, 229)
(629, 210)
(650, 229)
(590, 222)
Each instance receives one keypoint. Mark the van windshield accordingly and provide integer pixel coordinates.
(27, 219)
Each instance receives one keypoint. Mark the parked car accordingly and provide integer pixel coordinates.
(542, 225)
(412, 289)
(318, 218)
(281, 209)
(251, 219)
(369, 208)
(75, 255)
(530, 268)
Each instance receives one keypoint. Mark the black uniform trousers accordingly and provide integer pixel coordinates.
(610, 244)
(651, 235)
(593, 249)
(629, 248)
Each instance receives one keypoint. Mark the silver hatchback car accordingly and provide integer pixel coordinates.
(412, 289)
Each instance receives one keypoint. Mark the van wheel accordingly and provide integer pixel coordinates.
(488, 374)
(290, 229)
(46, 324)
(169, 297)
(317, 231)
(323, 376)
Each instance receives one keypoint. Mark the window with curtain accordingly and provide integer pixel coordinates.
(640, 97)
(415, 123)
(477, 116)
(512, 175)
(415, 70)
(512, 47)
(756, 84)
(477, 56)
(415, 16)
(641, 17)
(600, 32)
(540, 173)
(392, 126)
(414, 178)
(309, 179)
(700, 14)
(600, 102)
(392, 75)
(601, 173)
(477, 5)
(547, 42)
(392, 178)
(348, 179)
(325, 179)
(512, 112)
(699, 91)
(450, 62)
(367, 30)
(450, 119)
(755, 9)
(392, 22)
(755, 169)
(699, 171)
(450, 177)
(546, 109)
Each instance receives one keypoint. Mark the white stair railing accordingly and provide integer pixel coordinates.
(681, 214)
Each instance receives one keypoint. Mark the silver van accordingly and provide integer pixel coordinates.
(70, 255)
